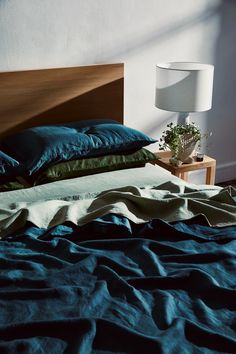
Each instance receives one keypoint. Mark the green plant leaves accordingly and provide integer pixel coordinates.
(171, 138)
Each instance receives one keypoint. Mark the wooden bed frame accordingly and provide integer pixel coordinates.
(49, 96)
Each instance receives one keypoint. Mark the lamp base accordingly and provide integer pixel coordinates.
(183, 118)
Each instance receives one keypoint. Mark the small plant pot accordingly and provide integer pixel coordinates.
(184, 151)
(181, 139)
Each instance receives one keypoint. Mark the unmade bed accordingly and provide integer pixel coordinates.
(102, 251)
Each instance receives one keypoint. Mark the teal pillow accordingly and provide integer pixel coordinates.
(83, 167)
(8, 166)
(38, 147)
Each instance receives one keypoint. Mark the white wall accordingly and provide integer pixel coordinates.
(140, 33)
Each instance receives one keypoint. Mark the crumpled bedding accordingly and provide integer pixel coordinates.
(113, 286)
(171, 201)
(131, 270)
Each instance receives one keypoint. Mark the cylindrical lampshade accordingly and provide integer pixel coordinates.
(184, 86)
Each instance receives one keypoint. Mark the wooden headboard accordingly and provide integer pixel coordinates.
(49, 96)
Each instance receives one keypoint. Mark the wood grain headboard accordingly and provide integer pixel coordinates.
(49, 96)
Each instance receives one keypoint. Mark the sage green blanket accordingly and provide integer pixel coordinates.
(171, 201)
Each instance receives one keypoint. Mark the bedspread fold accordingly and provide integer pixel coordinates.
(169, 202)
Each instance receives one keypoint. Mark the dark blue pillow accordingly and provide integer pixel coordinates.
(8, 165)
(39, 147)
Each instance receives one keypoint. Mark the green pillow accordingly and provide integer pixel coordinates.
(11, 186)
(88, 166)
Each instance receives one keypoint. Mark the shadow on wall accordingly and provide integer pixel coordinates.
(221, 118)
(163, 34)
(154, 38)
(158, 127)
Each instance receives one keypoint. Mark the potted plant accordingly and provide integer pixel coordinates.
(182, 140)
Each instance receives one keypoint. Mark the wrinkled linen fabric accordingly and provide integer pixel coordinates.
(112, 286)
(171, 201)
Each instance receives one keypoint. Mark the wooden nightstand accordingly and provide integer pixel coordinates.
(182, 171)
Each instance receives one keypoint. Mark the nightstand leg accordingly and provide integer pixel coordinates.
(210, 175)
(184, 176)
(177, 174)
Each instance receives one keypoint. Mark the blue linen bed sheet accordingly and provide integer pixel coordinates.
(115, 287)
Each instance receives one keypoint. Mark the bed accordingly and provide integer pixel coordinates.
(124, 259)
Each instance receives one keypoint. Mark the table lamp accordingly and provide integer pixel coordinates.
(184, 87)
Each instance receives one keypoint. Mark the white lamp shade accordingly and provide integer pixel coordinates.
(184, 86)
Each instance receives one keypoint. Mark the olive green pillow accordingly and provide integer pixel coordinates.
(11, 186)
(88, 166)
